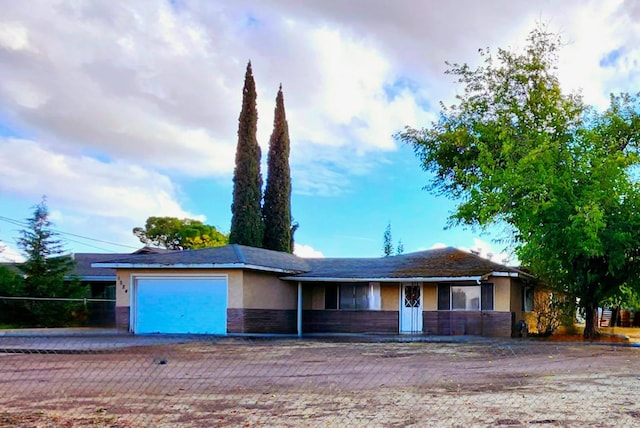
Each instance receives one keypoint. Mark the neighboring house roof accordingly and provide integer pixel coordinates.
(431, 265)
(12, 266)
(156, 250)
(228, 257)
(82, 268)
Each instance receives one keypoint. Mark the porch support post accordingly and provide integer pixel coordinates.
(299, 320)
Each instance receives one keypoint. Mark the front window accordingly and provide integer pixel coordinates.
(352, 296)
(465, 297)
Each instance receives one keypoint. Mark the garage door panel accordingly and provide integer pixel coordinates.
(181, 305)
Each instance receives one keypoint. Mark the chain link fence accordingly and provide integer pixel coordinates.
(119, 380)
(57, 311)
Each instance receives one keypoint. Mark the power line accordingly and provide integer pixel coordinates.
(23, 224)
(87, 245)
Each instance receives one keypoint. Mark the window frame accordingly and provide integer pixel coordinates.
(356, 293)
(360, 292)
(445, 298)
(528, 299)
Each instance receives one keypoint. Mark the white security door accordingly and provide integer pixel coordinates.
(411, 308)
(180, 304)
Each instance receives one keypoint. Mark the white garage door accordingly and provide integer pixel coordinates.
(180, 305)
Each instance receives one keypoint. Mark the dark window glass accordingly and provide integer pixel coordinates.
(527, 301)
(487, 296)
(411, 296)
(354, 296)
(361, 294)
(346, 296)
(444, 294)
(331, 296)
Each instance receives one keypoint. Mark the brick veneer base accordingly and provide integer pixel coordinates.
(475, 323)
(343, 321)
(277, 321)
(122, 318)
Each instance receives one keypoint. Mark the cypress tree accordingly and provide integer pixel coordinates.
(246, 216)
(277, 196)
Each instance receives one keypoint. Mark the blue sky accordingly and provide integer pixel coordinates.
(120, 111)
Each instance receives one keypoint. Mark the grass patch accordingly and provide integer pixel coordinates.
(8, 326)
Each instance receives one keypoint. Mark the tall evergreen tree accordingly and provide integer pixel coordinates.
(45, 270)
(246, 220)
(277, 196)
(45, 267)
(387, 246)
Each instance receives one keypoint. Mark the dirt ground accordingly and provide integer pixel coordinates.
(247, 383)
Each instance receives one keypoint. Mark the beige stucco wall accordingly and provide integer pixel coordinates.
(502, 293)
(430, 300)
(124, 277)
(389, 296)
(264, 290)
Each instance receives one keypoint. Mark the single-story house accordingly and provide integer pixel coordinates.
(238, 289)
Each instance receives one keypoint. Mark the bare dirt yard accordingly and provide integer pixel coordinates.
(247, 383)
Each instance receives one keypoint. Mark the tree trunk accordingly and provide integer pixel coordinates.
(590, 327)
(615, 316)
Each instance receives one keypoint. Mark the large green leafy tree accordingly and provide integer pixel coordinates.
(515, 149)
(276, 210)
(246, 213)
(179, 234)
(44, 271)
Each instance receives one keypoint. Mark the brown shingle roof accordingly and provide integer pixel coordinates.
(437, 263)
(238, 256)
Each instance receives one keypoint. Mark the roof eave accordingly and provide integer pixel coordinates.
(512, 274)
(194, 266)
(476, 278)
(95, 278)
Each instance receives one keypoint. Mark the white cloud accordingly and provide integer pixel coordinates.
(161, 86)
(87, 192)
(13, 36)
(486, 250)
(306, 251)
(136, 86)
(9, 254)
(483, 249)
(592, 34)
